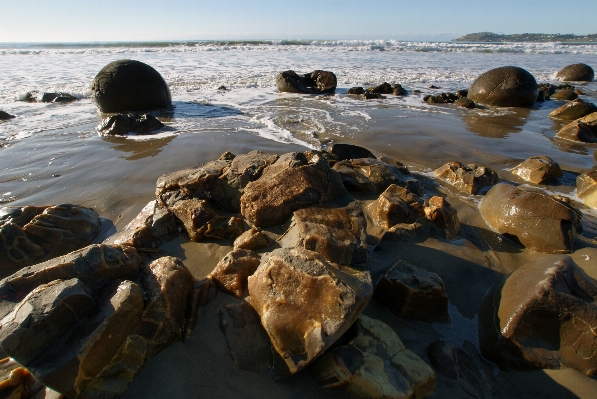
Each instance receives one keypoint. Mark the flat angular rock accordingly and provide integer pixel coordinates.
(201, 220)
(43, 316)
(243, 169)
(247, 341)
(305, 303)
(33, 234)
(586, 188)
(537, 220)
(583, 129)
(294, 181)
(443, 216)
(542, 317)
(411, 292)
(150, 228)
(337, 234)
(466, 178)
(189, 183)
(576, 72)
(95, 265)
(121, 124)
(252, 239)
(573, 110)
(316, 82)
(538, 169)
(396, 205)
(231, 273)
(507, 86)
(375, 364)
(373, 175)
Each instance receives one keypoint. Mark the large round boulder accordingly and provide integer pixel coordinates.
(129, 85)
(576, 72)
(507, 86)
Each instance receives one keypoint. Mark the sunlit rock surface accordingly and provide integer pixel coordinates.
(573, 110)
(231, 273)
(586, 188)
(373, 175)
(466, 178)
(538, 169)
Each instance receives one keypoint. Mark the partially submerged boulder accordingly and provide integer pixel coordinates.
(305, 303)
(537, 220)
(583, 129)
(129, 85)
(232, 271)
(538, 169)
(507, 86)
(576, 72)
(573, 110)
(294, 181)
(4, 116)
(121, 124)
(316, 82)
(466, 178)
(542, 317)
(33, 234)
(586, 188)
(412, 292)
(374, 364)
(47, 97)
(564, 95)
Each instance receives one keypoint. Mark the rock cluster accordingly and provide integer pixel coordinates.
(316, 82)
(466, 178)
(377, 91)
(46, 97)
(121, 124)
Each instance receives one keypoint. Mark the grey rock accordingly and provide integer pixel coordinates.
(576, 72)
(507, 86)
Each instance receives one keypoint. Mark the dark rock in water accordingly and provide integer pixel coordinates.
(356, 90)
(41, 97)
(384, 88)
(538, 221)
(337, 234)
(442, 98)
(372, 96)
(320, 302)
(223, 88)
(33, 234)
(95, 265)
(462, 93)
(128, 85)
(252, 239)
(541, 96)
(583, 129)
(232, 271)
(43, 316)
(564, 95)
(316, 82)
(586, 188)
(434, 87)
(369, 174)
(342, 152)
(201, 220)
(548, 89)
(374, 364)
(294, 181)
(398, 90)
(247, 340)
(538, 169)
(189, 183)
(4, 116)
(576, 72)
(411, 292)
(121, 124)
(507, 86)
(396, 205)
(466, 178)
(443, 216)
(573, 110)
(542, 317)
(228, 188)
(464, 102)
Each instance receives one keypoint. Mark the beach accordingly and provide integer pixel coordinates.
(52, 154)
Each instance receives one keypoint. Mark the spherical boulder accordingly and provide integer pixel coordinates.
(507, 86)
(129, 85)
(576, 72)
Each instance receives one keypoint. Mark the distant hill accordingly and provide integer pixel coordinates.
(484, 37)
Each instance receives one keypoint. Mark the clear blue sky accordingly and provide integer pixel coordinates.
(139, 20)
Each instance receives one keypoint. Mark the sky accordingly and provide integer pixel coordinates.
(152, 20)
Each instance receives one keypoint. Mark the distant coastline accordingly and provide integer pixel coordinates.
(488, 37)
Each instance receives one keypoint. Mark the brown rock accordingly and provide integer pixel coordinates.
(464, 102)
(337, 234)
(466, 178)
(411, 292)
(583, 129)
(95, 265)
(367, 174)
(564, 95)
(576, 72)
(200, 220)
(538, 169)
(231, 273)
(586, 188)
(316, 82)
(544, 318)
(507, 86)
(204, 291)
(33, 234)
(573, 110)
(384, 88)
(305, 303)
(16, 382)
(293, 182)
(443, 216)
(396, 205)
(356, 90)
(252, 239)
(247, 341)
(375, 364)
(537, 220)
